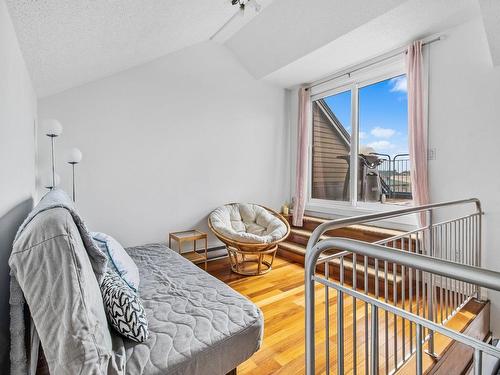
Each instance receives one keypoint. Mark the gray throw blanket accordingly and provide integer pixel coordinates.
(54, 199)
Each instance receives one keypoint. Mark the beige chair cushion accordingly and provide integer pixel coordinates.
(245, 222)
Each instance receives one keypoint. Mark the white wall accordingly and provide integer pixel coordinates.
(464, 128)
(464, 123)
(17, 158)
(167, 142)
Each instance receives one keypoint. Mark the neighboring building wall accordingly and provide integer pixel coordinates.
(17, 159)
(329, 169)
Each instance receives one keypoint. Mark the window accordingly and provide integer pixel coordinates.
(360, 133)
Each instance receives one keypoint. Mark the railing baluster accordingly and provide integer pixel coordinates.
(419, 344)
(366, 314)
(327, 320)
(375, 323)
(441, 292)
(479, 247)
(410, 282)
(340, 332)
(395, 317)
(403, 298)
(386, 316)
(461, 258)
(374, 341)
(430, 286)
(455, 282)
(478, 362)
(468, 252)
(446, 247)
(354, 325)
(341, 269)
(417, 274)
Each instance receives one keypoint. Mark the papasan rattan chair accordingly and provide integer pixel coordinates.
(251, 233)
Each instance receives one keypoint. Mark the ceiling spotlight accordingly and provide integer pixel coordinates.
(242, 4)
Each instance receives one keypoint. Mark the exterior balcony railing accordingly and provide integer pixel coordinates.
(395, 177)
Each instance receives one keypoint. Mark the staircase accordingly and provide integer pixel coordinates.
(294, 248)
(440, 311)
(452, 357)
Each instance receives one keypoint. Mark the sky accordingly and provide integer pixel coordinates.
(383, 112)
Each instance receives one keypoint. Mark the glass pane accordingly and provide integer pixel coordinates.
(384, 166)
(331, 147)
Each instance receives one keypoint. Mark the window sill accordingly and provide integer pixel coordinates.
(335, 210)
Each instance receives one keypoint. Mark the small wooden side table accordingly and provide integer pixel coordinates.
(186, 236)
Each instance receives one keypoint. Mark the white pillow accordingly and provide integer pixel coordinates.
(119, 260)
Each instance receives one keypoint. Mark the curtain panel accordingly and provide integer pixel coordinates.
(302, 156)
(417, 126)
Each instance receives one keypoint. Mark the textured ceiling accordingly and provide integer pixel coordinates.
(70, 42)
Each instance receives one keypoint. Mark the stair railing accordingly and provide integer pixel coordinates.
(433, 272)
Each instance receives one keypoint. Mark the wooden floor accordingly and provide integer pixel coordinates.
(280, 296)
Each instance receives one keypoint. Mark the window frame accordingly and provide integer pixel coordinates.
(352, 82)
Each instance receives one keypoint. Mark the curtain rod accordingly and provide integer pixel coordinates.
(371, 62)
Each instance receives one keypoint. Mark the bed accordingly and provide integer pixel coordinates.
(197, 324)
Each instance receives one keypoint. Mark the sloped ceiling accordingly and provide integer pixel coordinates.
(70, 42)
(290, 29)
(412, 20)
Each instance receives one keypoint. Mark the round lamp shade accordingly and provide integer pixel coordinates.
(74, 156)
(47, 180)
(52, 127)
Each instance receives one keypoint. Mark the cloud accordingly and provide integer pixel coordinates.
(399, 84)
(382, 132)
(381, 145)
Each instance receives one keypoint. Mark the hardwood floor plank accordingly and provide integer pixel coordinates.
(280, 296)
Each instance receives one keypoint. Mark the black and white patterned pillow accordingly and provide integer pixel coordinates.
(123, 308)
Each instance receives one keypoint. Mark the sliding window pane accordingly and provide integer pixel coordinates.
(384, 169)
(331, 147)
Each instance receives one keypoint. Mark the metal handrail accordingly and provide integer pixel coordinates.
(465, 273)
(340, 223)
(475, 275)
(479, 276)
